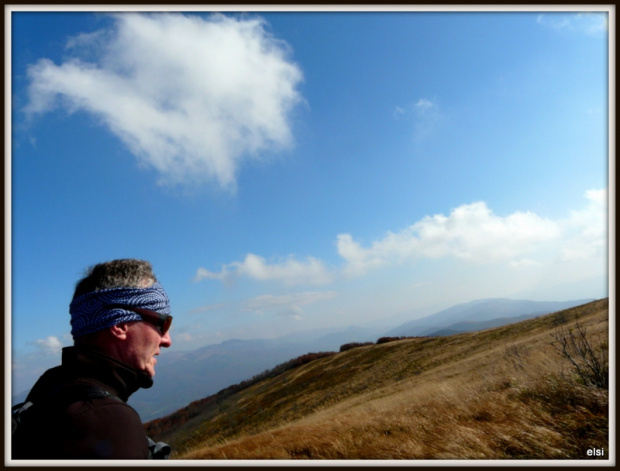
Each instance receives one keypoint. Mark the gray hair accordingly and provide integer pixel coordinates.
(124, 273)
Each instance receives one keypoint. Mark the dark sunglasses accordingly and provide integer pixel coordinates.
(163, 321)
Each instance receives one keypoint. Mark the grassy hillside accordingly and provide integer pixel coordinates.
(502, 393)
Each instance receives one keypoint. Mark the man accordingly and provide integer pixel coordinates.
(120, 316)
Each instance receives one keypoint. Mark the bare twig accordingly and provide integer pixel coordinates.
(590, 363)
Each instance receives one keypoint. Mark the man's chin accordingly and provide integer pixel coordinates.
(150, 368)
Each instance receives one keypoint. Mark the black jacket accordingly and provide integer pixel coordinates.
(63, 425)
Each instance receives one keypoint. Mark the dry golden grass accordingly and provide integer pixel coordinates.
(502, 393)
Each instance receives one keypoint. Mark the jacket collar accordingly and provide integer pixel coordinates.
(88, 363)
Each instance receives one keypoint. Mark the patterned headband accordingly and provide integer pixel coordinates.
(89, 313)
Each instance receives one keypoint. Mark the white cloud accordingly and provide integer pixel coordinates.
(286, 305)
(586, 230)
(591, 23)
(399, 111)
(424, 106)
(471, 232)
(183, 337)
(289, 271)
(358, 260)
(524, 263)
(50, 345)
(192, 97)
(201, 309)
(426, 117)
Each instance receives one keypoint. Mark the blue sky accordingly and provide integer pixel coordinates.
(286, 171)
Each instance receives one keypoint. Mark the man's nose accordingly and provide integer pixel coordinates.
(166, 341)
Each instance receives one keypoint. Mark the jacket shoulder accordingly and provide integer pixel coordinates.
(82, 421)
(104, 428)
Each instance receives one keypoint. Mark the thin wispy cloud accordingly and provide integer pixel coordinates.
(524, 263)
(289, 305)
(425, 114)
(184, 334)
(202, 309)
(591, 23)
(189, 96)
(471, 233)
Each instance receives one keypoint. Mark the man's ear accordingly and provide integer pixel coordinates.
(119, 331)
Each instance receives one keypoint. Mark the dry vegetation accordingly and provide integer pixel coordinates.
(503, 393)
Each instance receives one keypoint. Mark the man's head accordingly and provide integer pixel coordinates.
(120, 308)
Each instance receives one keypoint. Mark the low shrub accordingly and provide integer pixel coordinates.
(349, 346)
(393, 339)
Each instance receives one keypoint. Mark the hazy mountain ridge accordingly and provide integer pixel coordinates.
(471, 326)
(187, 376)
(479, 311)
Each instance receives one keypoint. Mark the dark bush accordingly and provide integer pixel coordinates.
(389, 339)
(393, 339)
(349, 346)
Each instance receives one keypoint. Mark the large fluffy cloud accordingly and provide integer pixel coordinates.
(190, 96)
(471, 233)
(586, 230)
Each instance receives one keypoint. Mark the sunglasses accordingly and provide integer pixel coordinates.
(163, 321)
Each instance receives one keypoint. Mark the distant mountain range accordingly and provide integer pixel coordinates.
(183, 377)
(478, 315)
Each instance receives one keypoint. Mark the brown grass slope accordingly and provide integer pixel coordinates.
(502, 393)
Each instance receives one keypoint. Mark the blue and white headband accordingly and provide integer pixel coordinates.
(89, 313)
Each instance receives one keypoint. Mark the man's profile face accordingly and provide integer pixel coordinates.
(144, 342)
